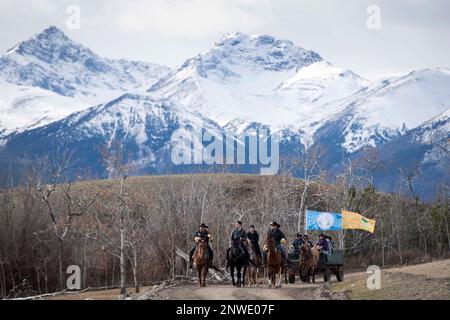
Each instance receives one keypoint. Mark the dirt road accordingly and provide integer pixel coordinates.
(424, 281)
(227, 292)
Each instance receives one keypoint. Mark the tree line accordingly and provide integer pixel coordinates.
(124, 231)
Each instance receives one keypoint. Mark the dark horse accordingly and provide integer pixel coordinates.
(237, 260)
(201, 261)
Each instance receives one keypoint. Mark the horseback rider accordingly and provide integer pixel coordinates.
(202, 234)
(238, 236)
(307, 241)
(253, 237)
(297, 243)
(275, 233)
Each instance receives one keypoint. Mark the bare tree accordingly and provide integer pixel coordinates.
(61, 219)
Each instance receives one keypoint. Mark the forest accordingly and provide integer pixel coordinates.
(124, 231)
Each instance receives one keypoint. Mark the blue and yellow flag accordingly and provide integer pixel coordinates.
(325, 221)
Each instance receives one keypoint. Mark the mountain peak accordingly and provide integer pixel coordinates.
(52, 33)
(256, 52)
(50, 45)
(52, 61)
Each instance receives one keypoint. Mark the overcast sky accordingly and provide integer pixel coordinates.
(414, 34)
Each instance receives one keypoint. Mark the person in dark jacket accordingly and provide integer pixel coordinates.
(202, 234)
(280, 239)
(238, 236)
(324, 245)
(253, 237)
(297, 243)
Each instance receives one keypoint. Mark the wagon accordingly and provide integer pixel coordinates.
(334, 264)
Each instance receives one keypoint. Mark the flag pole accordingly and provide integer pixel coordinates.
(306, 221)
(341, 236)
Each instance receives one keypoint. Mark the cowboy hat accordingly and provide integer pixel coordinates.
(298, 235)
(274, 224)
(203, 226)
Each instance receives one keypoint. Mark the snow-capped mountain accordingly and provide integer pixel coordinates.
(424, 150)
(241, 82)
(245, 79)
(389, 108)
(434, 133)
(52, 61)
(142, 124)
(49, 76)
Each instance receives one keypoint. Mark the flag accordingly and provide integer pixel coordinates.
(326, 221)
(352, 220)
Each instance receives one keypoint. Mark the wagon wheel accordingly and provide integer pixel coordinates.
(326, 275)
(340, 274)
(291, 277)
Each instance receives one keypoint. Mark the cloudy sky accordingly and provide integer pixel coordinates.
(413, 34)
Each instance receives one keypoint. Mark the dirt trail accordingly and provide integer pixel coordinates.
(424, 281)
(227, 292)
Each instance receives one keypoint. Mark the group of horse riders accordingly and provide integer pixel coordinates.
(239, 237)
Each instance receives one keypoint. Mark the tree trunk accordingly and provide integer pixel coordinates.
(301, 215)
(60, 261)
(123, 288)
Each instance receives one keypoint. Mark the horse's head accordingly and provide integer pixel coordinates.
(270, 242)
(201, 244)
(305, 251)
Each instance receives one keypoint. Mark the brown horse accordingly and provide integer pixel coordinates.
(309, 261)
(274, 263)
(253, 268)
(201, 260)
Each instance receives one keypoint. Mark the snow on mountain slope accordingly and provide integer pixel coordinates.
(391, 107)
(316, 91)
(436, 133)
(23, 108)
(247, 79)
(52, 61)
(235, 79)
(142, 124)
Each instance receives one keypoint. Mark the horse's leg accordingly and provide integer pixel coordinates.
(239, 276)
(205, 271)
(243, 276)
(285, 275)
(199, 275)
(273, 274)
(232, 274)
(314, 274)
(280, 276)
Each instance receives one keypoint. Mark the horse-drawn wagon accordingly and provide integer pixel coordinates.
(327, 265)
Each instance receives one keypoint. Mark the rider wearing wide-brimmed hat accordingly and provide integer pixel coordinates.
(238, 236)
(275, 233)
(297, 243)
(202, 234)
(324, 244)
